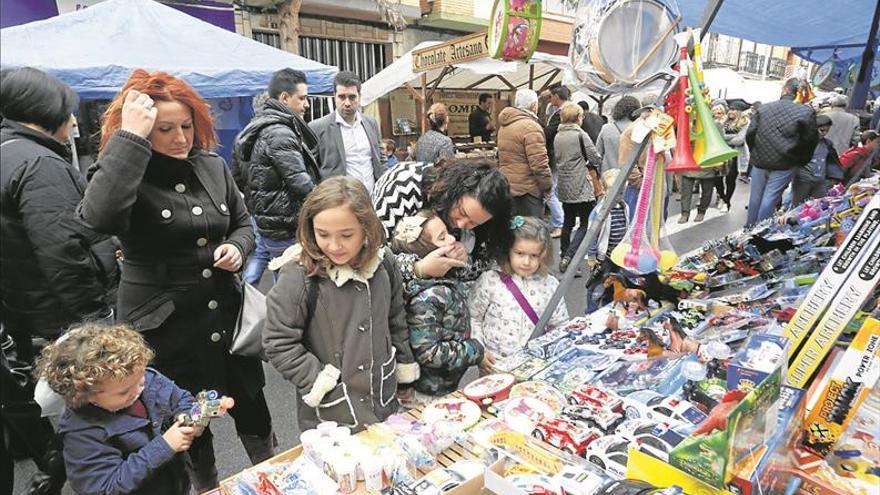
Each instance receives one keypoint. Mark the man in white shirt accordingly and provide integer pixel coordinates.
(348, 141)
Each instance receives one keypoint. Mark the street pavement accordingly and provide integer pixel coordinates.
(231, 457)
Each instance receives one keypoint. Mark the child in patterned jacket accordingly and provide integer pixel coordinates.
(436, 313)
(506, 304)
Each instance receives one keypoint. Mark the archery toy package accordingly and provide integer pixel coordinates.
(860, 240)
(856, 288)
(851, 381)
(550, 344)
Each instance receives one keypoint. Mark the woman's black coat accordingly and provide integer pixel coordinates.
(171, 215)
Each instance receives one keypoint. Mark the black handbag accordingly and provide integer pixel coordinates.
(247, 339)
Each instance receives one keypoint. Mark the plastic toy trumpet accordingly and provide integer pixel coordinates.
(699, 144)
(683, 161)
(716, 150)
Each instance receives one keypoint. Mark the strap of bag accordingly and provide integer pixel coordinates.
(312, 292)
(598, 187)
(518, 295)
(311, 299)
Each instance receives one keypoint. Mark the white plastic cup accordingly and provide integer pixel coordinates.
(326, 427)
(346, 474)
(310, 439)
(372, 469)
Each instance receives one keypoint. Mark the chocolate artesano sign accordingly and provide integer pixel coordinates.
(459, 50)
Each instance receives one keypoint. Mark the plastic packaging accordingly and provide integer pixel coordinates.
(619, 45)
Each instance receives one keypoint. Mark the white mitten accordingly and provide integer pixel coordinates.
(407, 372)
(326, 380)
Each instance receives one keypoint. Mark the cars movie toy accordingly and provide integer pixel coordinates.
(593, 395)
(594, 417)
(565, 435)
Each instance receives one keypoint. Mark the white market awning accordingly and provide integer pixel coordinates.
(475, 75)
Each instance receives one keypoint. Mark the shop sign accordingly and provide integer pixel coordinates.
(464, 49)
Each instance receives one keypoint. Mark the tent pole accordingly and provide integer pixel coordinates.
(424, 102)
(531, 76)
(437, 82)
(860, 88)
(611, 196)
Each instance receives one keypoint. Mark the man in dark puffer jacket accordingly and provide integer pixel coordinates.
(275, 165)
(781, 138)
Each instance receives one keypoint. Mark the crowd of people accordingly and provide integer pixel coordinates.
(390, 280)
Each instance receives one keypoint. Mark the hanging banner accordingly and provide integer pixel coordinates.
(464, 49)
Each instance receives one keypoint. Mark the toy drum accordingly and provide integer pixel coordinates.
(633, 41)
(873, 77)
(830, 74)
(489, 389)
(514, 29)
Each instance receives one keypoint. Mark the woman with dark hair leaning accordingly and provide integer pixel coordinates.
(56, 270)
(469, 194)
(185, 232)
(435, 145)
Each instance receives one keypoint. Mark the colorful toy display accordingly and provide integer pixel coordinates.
(586, 410)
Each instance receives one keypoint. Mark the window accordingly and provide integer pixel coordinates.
(752, 63)
(364, 59)
(559, 7)
(267, 38)
(777, 68)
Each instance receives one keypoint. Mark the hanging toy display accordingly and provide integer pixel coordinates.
(635, 252)
(715, 151)
(618, 45)
(697, 64)
(659, 242)
(831, 74)
(514, 29)
(683, 157)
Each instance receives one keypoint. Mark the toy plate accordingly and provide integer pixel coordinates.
(488, 386)
(459, 412)
(523, 413)
(542, 391)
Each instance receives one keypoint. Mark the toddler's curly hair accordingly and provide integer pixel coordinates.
(88, 355)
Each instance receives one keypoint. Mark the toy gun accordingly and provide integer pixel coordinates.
(208, 405)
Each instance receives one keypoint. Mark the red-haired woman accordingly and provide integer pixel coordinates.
(185, 231)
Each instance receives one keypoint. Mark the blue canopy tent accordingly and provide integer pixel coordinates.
(94, 50)
(815, 29)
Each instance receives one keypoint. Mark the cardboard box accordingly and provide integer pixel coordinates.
(866, 231)
(857, 287)
(712, 457)
(850, 382)
(643, 467)
(760, 472)
(759, 350)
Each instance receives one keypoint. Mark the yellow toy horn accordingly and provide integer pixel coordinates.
(716, 151)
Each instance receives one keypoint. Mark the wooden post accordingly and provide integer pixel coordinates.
(531, 76)
(288, 15)
(425, 102)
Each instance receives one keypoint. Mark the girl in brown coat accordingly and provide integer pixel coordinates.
(336, 322)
